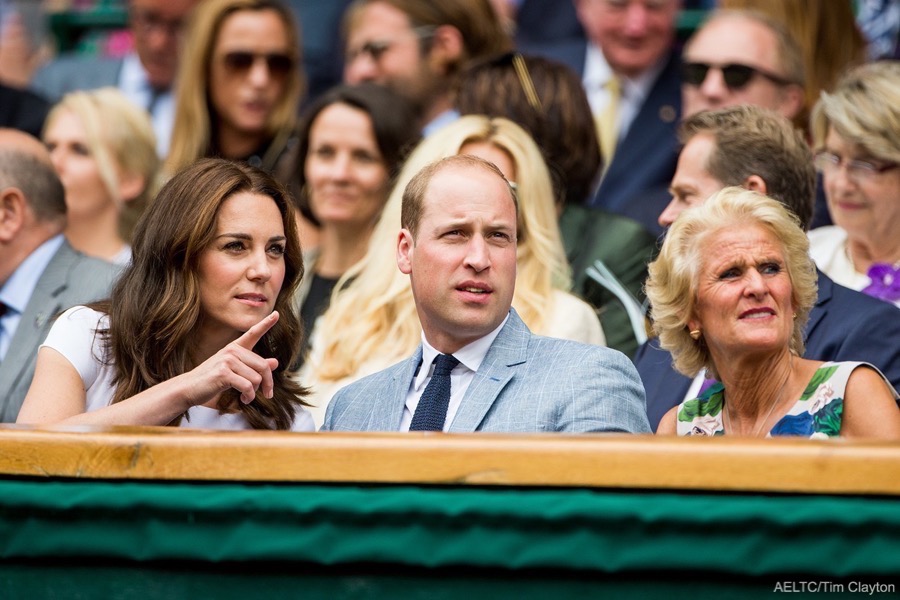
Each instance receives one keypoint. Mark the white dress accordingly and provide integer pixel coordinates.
(73, 336)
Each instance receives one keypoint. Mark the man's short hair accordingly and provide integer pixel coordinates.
(36, 179)
(414, 194)
(755, 141)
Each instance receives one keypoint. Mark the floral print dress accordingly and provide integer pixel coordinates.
(817, 414)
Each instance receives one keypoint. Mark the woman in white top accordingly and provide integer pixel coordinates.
(200, 328)
(856, 132)
(104, 150)
(372, 322)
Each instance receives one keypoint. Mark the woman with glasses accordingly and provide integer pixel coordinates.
(856, 133)
(239, 86)
(372, 322)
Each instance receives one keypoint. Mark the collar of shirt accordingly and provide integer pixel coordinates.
(597, 73)
(469, 356)
(17, 290)
(634, 90)
(133, 80)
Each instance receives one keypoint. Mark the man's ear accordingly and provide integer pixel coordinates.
(793, 100)
(13, 210)
(447, 48)
(755, 183)
(405, 249)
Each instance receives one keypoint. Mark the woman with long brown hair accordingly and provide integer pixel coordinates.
(200, 327)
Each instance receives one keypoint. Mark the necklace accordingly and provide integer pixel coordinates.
(726, 414)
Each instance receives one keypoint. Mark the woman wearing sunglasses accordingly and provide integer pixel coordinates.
(239, 86)
(856, 135)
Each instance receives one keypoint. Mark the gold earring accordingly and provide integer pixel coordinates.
(695, 334)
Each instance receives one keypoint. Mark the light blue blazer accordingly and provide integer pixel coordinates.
(526, 384)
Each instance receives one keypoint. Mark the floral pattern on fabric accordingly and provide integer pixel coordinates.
(816, 414)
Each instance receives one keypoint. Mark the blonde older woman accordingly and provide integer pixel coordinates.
(103, 149)
(372, 320)
(731, 292)
(856, 132)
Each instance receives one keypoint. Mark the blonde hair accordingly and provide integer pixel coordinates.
(372, 312)
(864, 109)
(674, 275)
(192, 129)
(120, 138)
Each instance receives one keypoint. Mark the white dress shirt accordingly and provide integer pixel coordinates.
(634, 91)
(134, 84)
(461, 376)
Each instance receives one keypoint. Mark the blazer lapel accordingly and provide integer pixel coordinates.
(42, 307)
(508, 351)
(387, 409)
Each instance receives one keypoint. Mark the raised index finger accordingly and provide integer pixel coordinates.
(250, 337)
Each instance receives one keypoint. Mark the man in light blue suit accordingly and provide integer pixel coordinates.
(40, 273)
(458, 245)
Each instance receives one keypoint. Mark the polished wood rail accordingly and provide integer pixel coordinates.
(601, 461)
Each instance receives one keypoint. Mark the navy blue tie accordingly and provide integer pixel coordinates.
(432, 409)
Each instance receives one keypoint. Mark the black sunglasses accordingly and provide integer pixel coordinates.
(238, 61)
(736, 76)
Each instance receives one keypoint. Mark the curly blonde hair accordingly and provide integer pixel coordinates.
(674, 275)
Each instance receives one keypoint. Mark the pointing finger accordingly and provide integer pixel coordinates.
(252, 336)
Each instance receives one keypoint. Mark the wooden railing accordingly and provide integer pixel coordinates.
(599, 461)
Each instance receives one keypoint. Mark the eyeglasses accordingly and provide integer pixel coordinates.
(147, 22)
(735, 75)
(857, 170)
(375, 49)
(240, 62)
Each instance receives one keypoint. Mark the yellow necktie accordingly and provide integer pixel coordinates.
(606, 122)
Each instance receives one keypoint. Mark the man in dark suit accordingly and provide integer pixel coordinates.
(145, 75)
(629, 61)
(760, 150)
(458, 245)
(40, 273)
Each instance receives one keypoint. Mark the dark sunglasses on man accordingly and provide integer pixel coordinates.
(239, 62)
(735, 75)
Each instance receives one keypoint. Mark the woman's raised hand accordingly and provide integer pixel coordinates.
(237, 366)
